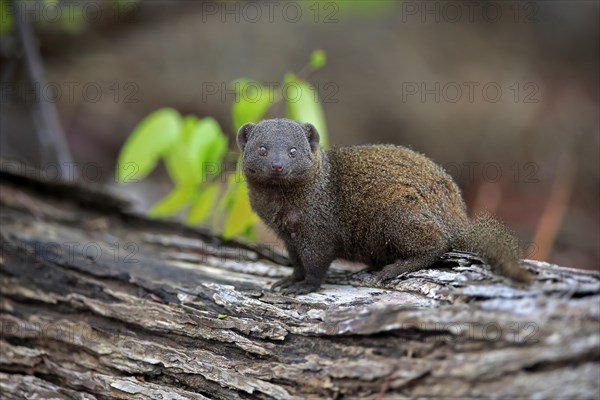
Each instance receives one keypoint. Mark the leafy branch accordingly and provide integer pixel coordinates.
(194, 151)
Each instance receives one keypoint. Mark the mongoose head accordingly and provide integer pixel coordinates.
(279, 151)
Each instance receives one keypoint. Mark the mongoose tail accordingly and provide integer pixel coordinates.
(491, 239)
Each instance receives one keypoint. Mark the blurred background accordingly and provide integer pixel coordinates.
(504, 94)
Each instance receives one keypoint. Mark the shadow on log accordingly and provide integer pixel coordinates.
(98, 302)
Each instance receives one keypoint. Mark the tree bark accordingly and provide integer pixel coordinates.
(98, 302)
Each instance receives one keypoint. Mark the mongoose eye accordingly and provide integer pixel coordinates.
(262, 150)
(293, 152)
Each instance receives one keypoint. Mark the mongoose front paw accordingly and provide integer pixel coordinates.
(285, 282)
(299, 288)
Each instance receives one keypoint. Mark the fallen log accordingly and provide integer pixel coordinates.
(99, 302)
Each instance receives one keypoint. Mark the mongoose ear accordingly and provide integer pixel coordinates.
(242, 135)
(312, 135)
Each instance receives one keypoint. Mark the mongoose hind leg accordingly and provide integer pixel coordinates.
(419, 245)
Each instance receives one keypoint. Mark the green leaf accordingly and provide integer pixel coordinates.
(173, 202)
(203, 204)
(222, 316)
(154, 136)
(200, 151)
(179, 161)
(303, 105)
(226, 202)
(251, 103)
(318, 59)
(214, 145)
(240, 215)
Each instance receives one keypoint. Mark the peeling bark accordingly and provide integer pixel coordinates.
(98, 302)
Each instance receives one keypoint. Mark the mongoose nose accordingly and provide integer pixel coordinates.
(277, 166)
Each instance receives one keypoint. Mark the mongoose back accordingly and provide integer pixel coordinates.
(383, 205)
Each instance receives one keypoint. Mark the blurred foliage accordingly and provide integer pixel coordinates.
(304, 107)
(318, 59)
(367, 7)
(66, 16)
(194, 151)
(71, 16)
(6, 20)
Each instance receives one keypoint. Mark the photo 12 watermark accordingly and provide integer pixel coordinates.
(525, 332)
(470, 92)
(254, 92)
(493, 172)
(72, 92)
(70, 171)
(318, 12)
(428, 12)
(61, 330)
(70, 12)
(88, 252)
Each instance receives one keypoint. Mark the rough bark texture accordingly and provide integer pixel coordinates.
(100, 303)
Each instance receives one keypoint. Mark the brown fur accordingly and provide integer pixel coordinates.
(386, 206)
